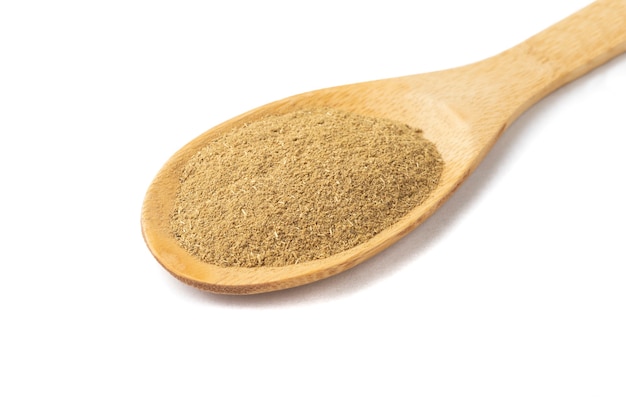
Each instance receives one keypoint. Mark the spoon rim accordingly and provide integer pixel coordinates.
(159, 201)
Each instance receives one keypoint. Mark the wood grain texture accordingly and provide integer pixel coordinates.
(462, 110)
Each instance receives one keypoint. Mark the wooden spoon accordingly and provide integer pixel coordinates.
(462, 110)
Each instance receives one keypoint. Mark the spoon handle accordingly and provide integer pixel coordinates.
(563, 52)
(583, 41)
(577, 44)
(499, 89)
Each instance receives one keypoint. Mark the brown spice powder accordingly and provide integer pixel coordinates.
(302, 186)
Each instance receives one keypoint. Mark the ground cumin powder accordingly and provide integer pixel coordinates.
(302, 186)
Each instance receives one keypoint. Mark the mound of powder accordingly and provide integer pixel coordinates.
(302, 186)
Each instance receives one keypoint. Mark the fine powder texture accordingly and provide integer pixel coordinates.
(306, 185)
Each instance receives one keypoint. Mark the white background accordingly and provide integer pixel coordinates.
(509, 301)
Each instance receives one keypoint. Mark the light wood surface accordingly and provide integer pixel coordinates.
(462, 110)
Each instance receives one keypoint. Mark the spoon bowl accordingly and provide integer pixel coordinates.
(462, 111)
